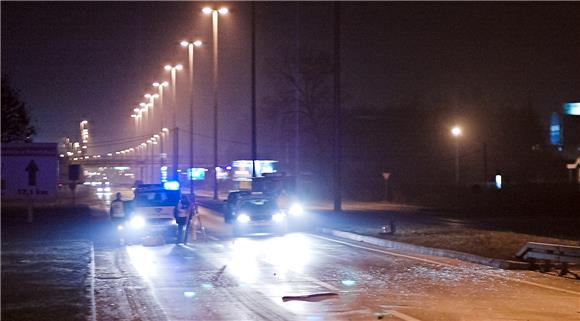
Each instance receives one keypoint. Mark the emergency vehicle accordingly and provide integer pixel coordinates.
(158, 209)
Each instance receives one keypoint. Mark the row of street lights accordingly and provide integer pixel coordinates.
(144, 114)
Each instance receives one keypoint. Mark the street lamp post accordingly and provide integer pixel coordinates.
(160, 86)
(153, 127)
(214, 14)
(175, 158)
(151, 105)
(145, 112)
(190, 46)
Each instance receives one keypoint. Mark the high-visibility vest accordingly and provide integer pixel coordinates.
(117, 209)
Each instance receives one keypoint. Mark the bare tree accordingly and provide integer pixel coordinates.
(302, 106)
(16, 122)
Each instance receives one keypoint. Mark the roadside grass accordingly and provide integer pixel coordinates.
(492, 244)
(497, 234)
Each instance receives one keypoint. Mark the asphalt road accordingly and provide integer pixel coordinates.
(223, 278)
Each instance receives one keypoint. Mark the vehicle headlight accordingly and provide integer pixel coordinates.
(107, 189)
(243, 218)
(278, 217)
(296, 210)
(99, 189)
(137, 222)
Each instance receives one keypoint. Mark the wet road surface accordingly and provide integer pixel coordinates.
(225, 278)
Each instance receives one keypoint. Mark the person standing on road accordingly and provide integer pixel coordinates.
(117, 210)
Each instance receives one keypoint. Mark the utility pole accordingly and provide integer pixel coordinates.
(337, 112)
(484, 165)
(254, 141)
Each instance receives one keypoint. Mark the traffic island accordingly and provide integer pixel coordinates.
(393, 245)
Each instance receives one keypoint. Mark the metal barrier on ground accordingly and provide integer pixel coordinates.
(546, 257)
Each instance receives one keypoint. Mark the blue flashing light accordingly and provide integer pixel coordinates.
(171, 185)
(555, 129)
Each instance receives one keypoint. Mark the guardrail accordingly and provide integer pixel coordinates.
(552, 256)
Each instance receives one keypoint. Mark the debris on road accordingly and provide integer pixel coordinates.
(311, 297)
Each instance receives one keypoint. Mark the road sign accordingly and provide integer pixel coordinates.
(29, 171)
(74, 172)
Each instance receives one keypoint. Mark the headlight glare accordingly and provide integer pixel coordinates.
(278, 217)
(296, 210)
(243, 218)
(137, 222)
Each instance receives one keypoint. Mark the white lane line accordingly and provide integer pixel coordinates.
(93, 300)
(213, 238)
(320, 283)
(547, 287)
(401, 315)
(384, 251)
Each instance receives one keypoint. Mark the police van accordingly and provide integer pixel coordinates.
(158, 209)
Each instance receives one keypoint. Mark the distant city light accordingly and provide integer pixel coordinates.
(189, 294)
(498, 181)
(572, 109)
(163, 174)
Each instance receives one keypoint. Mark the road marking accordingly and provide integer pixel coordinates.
(449, 265)
(93, 300)
(320, 283)
(401, 315)
(213, 238)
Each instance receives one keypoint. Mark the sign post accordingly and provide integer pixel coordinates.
(386, 177)
(74, 175)
(29, 173)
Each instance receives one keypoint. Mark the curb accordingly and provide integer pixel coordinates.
(497, 263)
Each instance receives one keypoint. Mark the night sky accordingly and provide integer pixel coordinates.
(95, 60)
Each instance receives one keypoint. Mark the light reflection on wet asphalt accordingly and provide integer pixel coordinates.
(246, 278)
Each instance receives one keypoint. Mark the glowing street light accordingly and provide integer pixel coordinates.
(215, 14)
(456, 131)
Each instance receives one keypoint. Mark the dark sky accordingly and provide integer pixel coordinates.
(95, 60)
